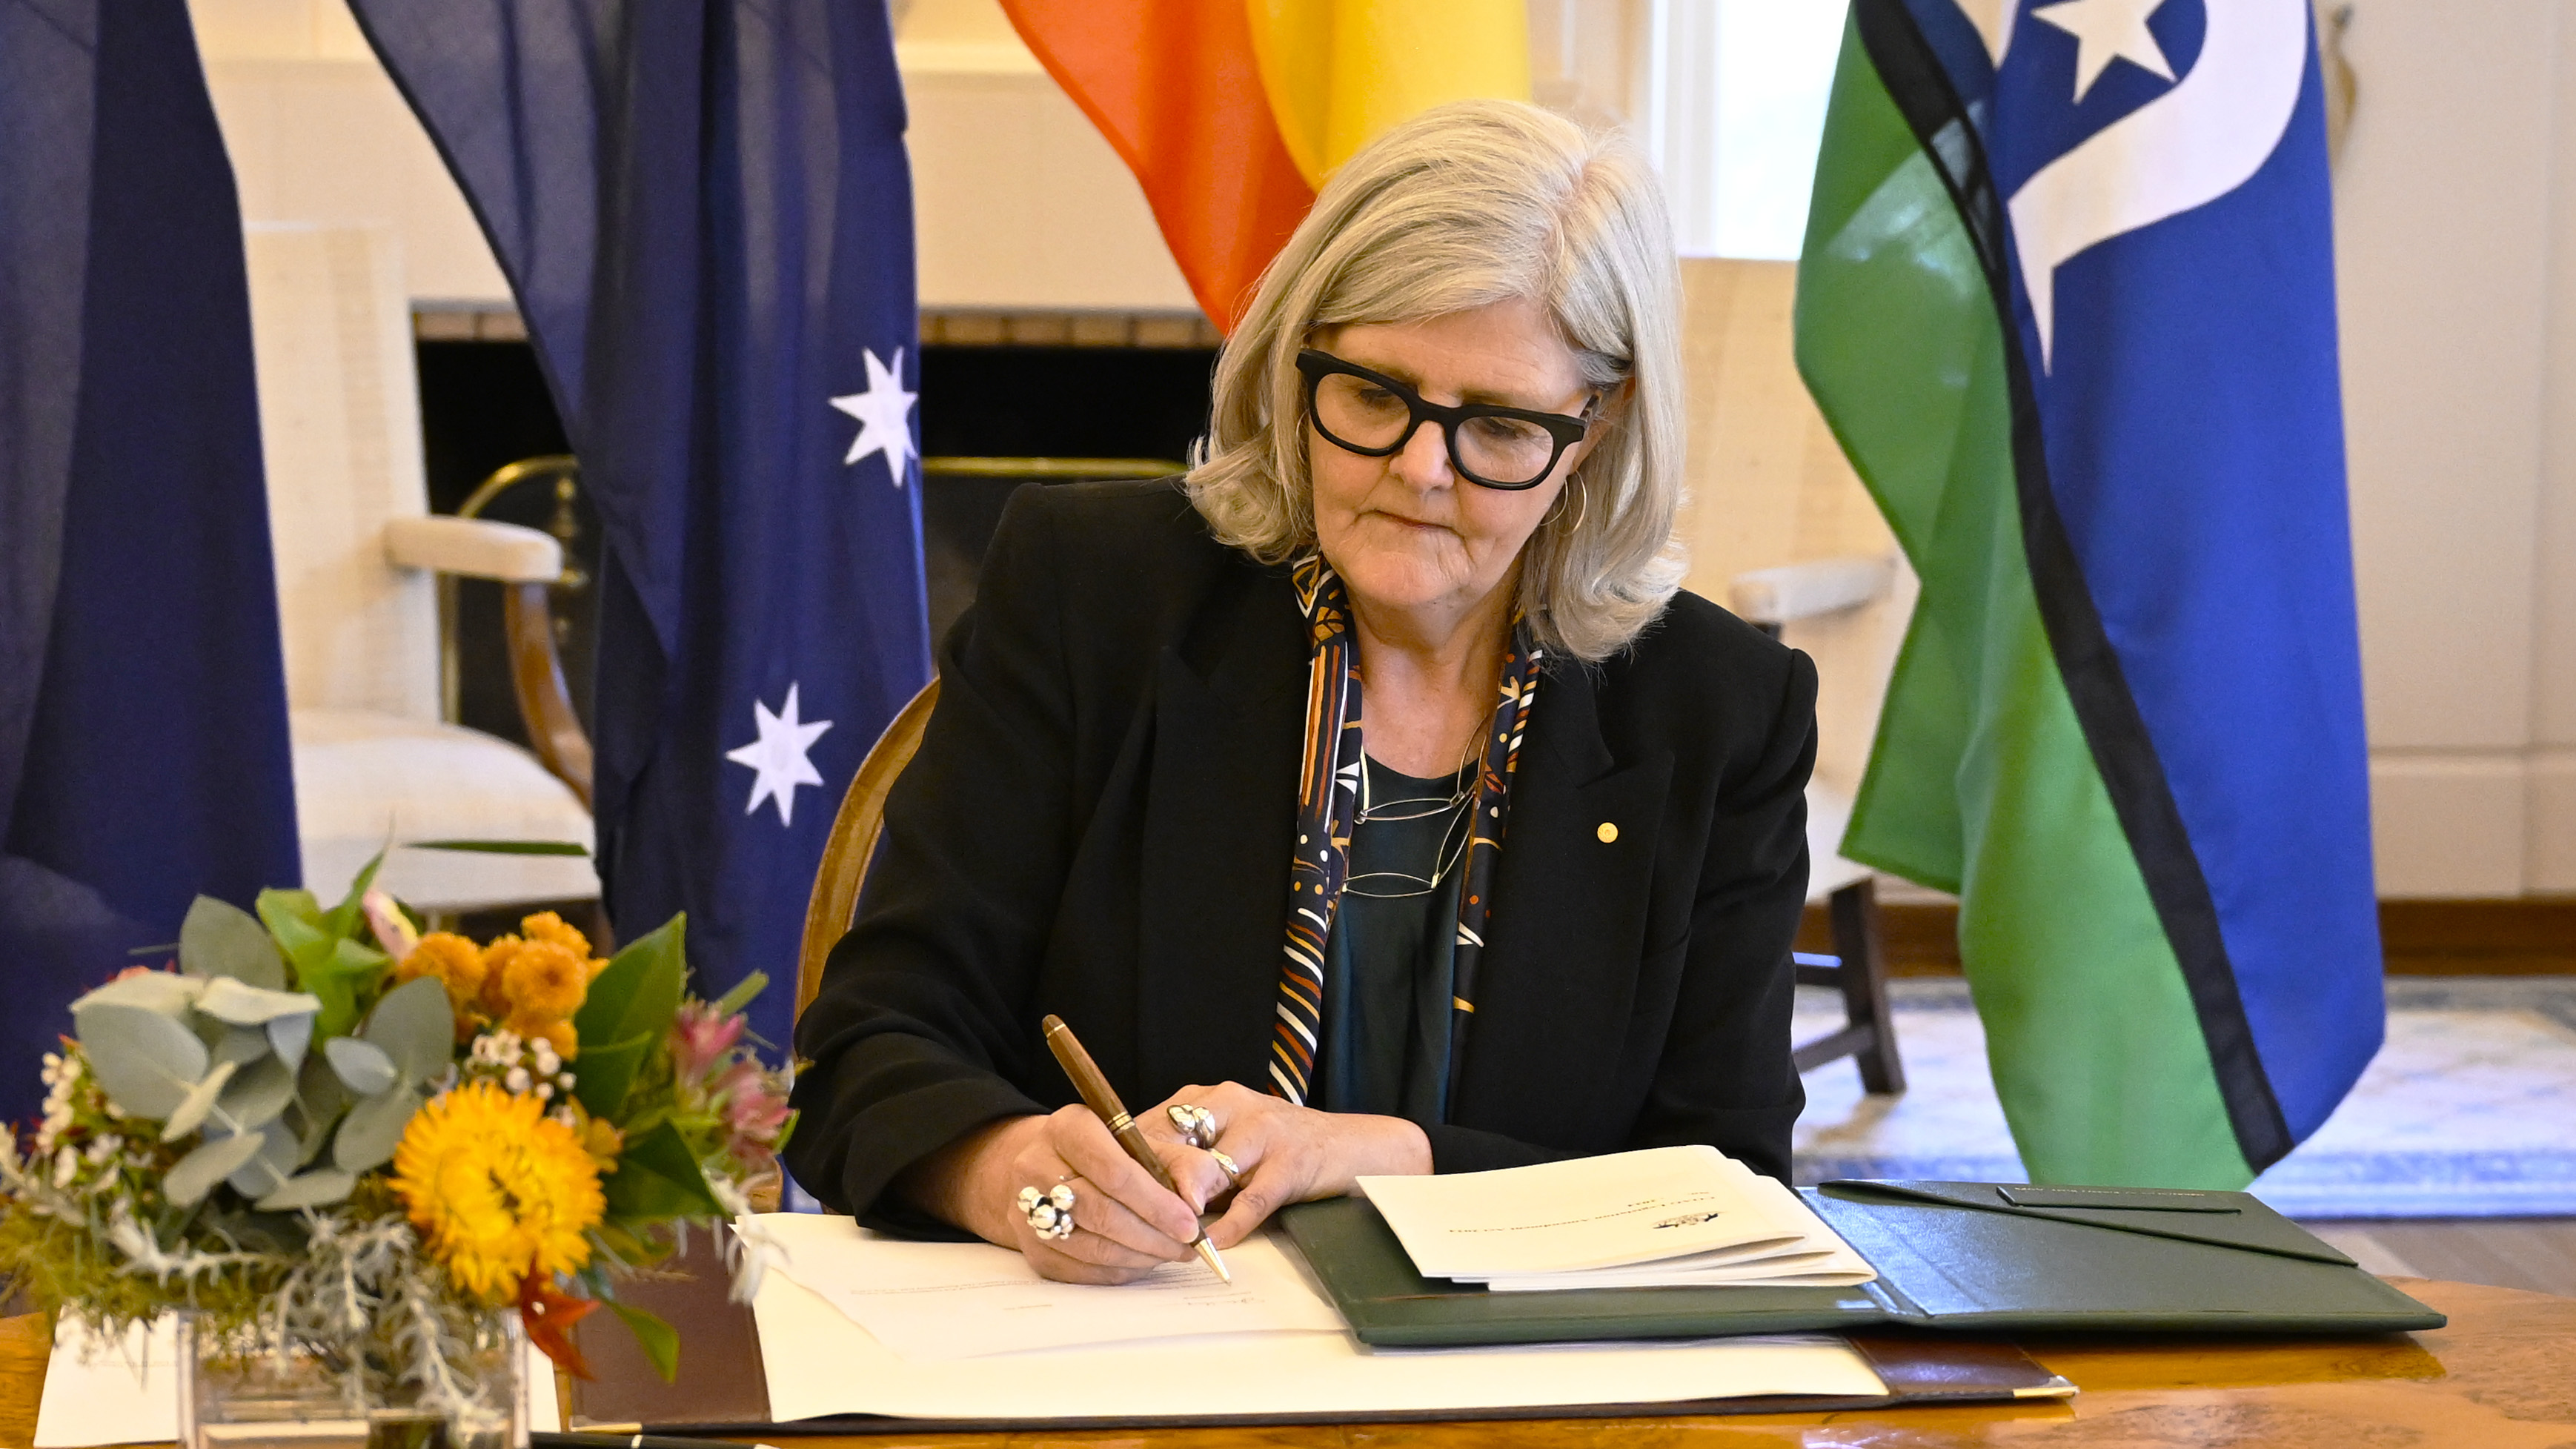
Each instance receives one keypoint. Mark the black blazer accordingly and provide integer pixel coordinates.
(1098, 825)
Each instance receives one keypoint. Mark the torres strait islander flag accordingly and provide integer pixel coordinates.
(2067, 298)
(1232, 112)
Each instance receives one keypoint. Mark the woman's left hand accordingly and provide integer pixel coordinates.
(1283, 1153)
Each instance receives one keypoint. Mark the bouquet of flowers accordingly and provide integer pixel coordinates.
(319, 1129)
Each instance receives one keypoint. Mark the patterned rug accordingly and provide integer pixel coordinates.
(2468, 1111)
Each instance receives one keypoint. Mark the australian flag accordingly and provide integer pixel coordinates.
(705, 210)
(143, 748)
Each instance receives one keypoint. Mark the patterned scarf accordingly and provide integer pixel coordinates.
(1328, 792)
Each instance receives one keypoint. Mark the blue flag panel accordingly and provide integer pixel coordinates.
(705, 210)
(143, 747)
(2161, 175)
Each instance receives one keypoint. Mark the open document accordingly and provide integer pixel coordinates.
(935, 1301)
(845, 1328)
(1662, 1217)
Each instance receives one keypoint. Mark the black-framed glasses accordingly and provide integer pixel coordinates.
(1372, 414)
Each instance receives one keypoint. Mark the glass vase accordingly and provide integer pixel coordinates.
(253, 1393)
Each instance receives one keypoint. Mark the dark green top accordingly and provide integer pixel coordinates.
(1386, 964)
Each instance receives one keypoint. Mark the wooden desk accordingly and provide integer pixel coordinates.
(2502, 1376)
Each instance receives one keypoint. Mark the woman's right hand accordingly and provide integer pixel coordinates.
(1125, 1223)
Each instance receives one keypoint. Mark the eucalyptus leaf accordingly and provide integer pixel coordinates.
(636, 996)
(416, 1028)
(191, 1112)
(374, 1128)
(239, 1045)
(258, 1092)
(290, 1036)
(319, 1101)
(659, 1340)
(240, 1004)
(195, 1175)
(144, 1061)
(657, 1177)
(268, 1168)
(362, 1066)
(222, 939)
(318, 1188)
(165, 992)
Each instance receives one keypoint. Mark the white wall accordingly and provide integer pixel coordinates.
(2456, 229)
(1018, 202)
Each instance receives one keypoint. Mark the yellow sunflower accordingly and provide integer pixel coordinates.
(497, 1189)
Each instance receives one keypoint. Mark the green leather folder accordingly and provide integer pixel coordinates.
(1969, 1256)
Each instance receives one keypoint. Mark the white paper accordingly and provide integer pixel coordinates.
(821, 1363)
(128, 1392)
(1584, 1213)
(1819, 1259)
(936, 1301)
(115, 1392)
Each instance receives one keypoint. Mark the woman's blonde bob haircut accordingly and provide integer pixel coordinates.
(1469, 204)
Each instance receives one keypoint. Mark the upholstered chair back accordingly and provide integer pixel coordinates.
(339, 418)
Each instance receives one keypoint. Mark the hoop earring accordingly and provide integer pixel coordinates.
(1582, 501)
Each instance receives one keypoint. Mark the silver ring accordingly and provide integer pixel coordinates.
(1233, 1174)
(1050, 1213)
(1197, 1124)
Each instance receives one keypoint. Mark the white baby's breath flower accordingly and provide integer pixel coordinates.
(545, 1091)
(517, 1080)
(66, 1163)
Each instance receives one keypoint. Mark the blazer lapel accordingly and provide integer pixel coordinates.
(1219, 814)
(1569, 917)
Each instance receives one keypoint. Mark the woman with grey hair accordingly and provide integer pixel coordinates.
(1410, 636)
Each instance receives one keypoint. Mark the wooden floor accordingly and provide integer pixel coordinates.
(2538, 1254)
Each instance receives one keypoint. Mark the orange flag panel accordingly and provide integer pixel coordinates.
(1175, 87)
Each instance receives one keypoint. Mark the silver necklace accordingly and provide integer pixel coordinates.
(1458, 805)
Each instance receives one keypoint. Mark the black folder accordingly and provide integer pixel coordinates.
(1968, 1256)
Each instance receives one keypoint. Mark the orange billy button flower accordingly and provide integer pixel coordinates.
(458, 965)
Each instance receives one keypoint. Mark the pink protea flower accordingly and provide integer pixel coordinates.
(753, 1111)
(700, 1040)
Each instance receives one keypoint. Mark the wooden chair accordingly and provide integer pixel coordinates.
(853, 841)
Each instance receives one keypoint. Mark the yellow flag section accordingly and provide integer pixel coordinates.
(1339, 72)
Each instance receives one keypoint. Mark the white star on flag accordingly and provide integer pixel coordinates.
(778, 756)
(2108, 30)
(884, 412)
